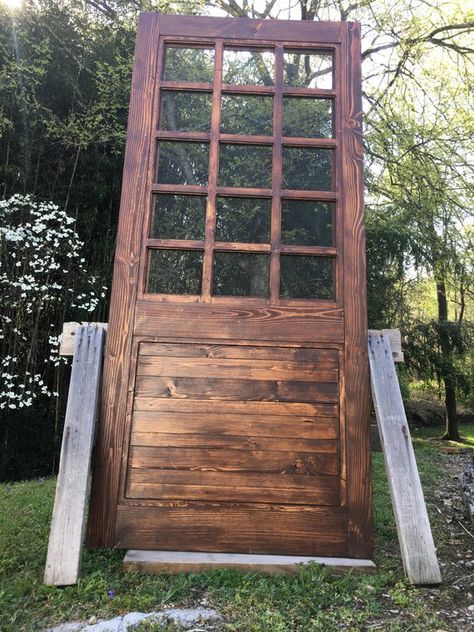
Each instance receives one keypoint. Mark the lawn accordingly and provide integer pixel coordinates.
(311, 601)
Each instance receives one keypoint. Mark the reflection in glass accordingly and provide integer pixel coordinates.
(306, 277)
(179, 217)
(189, 64)
(307, 223)
(245, 166)
(307, 168)
(245, 114)
(243, 219)
(185, 111)
(307, 118)
(240, 274)
(182, 162)
(307, 69)
(174, 272)
(249, 67)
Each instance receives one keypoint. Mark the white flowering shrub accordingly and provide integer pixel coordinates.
(42, 277)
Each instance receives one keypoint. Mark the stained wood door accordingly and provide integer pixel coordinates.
(235, 398)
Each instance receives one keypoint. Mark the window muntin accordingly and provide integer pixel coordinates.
(243, 229)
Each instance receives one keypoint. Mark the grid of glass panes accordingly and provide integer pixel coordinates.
(244, 151)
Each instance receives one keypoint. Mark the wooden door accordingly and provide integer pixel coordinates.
(234, 412)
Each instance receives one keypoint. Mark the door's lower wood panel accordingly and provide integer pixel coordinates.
(294, 530)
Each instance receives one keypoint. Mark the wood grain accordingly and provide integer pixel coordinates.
(175, 562)
(246, 29)
(224, 387)
(213, 527)
(216, 425)
(324, 358)
(246, 408)
(233, 389)
(200, 459)
(413, 526)
(229, 322)
(235, 369)
(63, 560)
(211, 440)
(138, 166)
(356, 378)
(249, 488)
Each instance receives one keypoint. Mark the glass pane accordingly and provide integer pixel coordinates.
(307, 223)
(307, 69)
(307, 118)
(242, 114)
(240, 274)
(243, 219)
(189, 64)
(250, 67)
(245, 166)
(185, 111)
(174, 272)
(179, 217)
(306, 277)
(182, 163)
(307, 168)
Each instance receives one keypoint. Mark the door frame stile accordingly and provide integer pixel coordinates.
(112, 415)
(356, 385)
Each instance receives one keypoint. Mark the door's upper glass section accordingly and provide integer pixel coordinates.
(244, 174)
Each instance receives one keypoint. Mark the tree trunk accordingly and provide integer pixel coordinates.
(452, 430)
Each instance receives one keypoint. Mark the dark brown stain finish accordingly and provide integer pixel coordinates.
(237, 423)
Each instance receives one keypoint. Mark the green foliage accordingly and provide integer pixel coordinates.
(425, 358)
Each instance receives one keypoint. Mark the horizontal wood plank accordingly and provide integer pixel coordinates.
(255, 488)
(238, 368)
(231, 442)
(322, 357)
(213, 527)
(144, 403)
(240, 390)
(303, 464)
(226, 321)
(246, 29)
(254, 427)
(176, 562)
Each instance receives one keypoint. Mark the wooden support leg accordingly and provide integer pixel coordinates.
(414, 532)
(67, 526)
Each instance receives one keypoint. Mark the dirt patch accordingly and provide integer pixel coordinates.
(453, 601)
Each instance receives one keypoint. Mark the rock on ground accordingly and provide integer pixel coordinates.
(185, 617)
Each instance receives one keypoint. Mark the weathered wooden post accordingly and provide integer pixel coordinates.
(67, 527)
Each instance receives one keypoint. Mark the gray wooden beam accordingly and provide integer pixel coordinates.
(67, 526)
(414, 531)
(175, 562)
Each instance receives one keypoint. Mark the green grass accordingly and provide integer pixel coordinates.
(311, 601)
